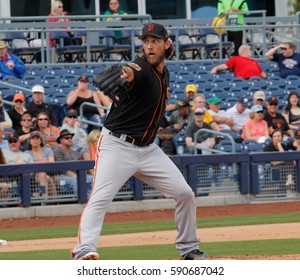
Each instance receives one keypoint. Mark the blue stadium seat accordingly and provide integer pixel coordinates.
(252, 146)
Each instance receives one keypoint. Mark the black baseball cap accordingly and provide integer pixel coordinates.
(83, 78)
(155, 30)
(273, 100)
(72, 113)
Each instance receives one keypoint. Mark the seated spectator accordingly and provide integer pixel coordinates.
(72, 124)
(239, 113)
(14, 155)
(49, 132)
(41, 154)
(37, 104)
(63, 152)
(25, 130)
(288, 60)
(89, 151)
(291, 112)
(256, 128)
(3, 142)
(294, 145)
(191, 92)
(18, 109)
(5, 120)
(220, 117)
(259, 98)
(276, 120)
(204, 140)
(243, 65)
(4, 186)
(183, 116)
(277, 146)
(82, 94)
(200, 102)
(10, 64)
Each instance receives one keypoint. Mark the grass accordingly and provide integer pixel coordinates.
(164, 252)
(119, 228)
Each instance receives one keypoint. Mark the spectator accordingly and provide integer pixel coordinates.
(276, 120)
(49, 132)
(14, 155)
(239, 113)
(41, 154)
(114, 10)
(291, 112)
(72, 124)
(183, 116)
(204, 140)
(277, 146)
(256, 128)
(259, 98)
(88, 152)
(243, 65)
(220, 117)
(10, 64)
(295, 143)
(288, 60)
(3, 142)
(25, 130)
(82, 94)
(226, 7)
(37, 105)
(190, 92)
(63, 152)
(200, 102)
(5, 120)
(18, 109)
(57, 10)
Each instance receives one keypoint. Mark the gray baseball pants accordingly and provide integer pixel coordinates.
(116, 162)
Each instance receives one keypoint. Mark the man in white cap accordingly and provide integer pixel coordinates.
(37, 105)
(259, 98)
(10, 64)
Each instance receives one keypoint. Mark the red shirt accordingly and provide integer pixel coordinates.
(244, 67)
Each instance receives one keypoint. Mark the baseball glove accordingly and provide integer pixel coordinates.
(111, 84)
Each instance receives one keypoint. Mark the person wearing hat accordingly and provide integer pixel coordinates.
(239, 113)
(190, 92)
(14, 155)
(17, 110)
(220, 117)
(242, 65)
(41, 154)
(259, 98)
(25, 130)
(37, 105)
(63, 152)
(82, 94)
(256, 128)
(5, 120)
(127, 142)
(275, 119)
(72, 124)
(183, 116)
(204, 140)
(10, 64)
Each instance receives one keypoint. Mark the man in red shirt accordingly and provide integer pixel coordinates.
(242, 65)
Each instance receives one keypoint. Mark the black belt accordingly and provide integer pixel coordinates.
(129, 139)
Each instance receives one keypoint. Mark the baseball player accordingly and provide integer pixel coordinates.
(139, 91)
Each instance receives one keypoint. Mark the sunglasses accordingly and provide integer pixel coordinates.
(72, 117)
(273, 104)
(26, 120)
(259, 99)
(259, 112)
(19, 101)
(83, 81)
(44, 119)
(199, 114)
(113, 3)
(12, 141)
(67, 138)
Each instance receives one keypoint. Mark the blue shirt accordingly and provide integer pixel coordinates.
(17, 71)
(288, 65)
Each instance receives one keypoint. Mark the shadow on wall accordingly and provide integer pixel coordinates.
(205, 12)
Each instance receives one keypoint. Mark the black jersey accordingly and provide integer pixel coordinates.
(139, 115)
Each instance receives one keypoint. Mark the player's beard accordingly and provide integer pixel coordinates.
(156, 61)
